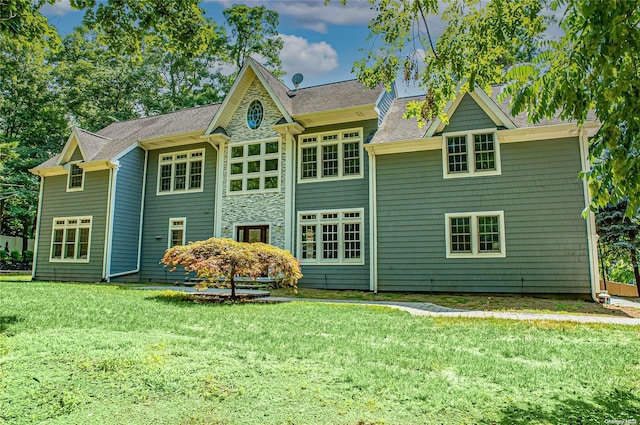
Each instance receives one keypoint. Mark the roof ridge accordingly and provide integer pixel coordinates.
(93, 134)
(328, 84)
(164, 114)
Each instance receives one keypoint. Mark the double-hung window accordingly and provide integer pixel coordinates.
(71, 239)
(331, 237)
(177, 231)
(474, 153)
(254, 167)
(75, 180)
(181, 172)
(331, 155)
(479, 234)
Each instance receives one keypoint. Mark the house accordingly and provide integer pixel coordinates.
(485, 202)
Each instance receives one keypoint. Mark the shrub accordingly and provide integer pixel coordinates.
(27, 256)
(15, 256)
(223, 259)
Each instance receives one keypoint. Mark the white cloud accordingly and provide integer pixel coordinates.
(314, 15)
(309, 59)
(59, 8)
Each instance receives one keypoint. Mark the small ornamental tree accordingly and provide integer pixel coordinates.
(218, 261)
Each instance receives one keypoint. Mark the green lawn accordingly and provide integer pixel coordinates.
(98, 354)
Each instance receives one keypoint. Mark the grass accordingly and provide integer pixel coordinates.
(98, 354)
(480, 302)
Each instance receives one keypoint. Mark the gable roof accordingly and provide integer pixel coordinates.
(118, 136)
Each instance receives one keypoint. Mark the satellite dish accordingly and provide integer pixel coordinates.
(297, 79)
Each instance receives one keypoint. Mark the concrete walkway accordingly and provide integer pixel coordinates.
(428, 309)
(433, 310)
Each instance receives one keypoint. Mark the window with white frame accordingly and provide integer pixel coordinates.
(180, 172)
(331, 236)
(177, 231)
(254, 167)
(479, 234)
(71, 239)
(331, 155)
(473, 153)
(75, 180)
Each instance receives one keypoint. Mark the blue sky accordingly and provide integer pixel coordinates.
(321, 42)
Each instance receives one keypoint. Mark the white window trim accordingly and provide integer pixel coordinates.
(340, 261)
(188, 176)
(262, 174)
(471, 162)
(173, 227)
(55, 226)
(340, 142)
(475, 253)
(74, 189)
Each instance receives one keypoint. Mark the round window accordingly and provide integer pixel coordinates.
(254, 114)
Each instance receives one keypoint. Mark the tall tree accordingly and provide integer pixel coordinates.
(593, 65)
(619, 240)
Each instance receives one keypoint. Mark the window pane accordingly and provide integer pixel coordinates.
(253, 166)
(270, 165)
(308, 234)
(271, 182)
(75, 179)
(70, 244)
(461, 234)
(352, 240)
(351, 155)
(330, 160)
(58, 235)
(176, 237)
(83, 244)
(195, 175)
(457, 154)
(271, 147)
(165, 177)
(236, 185)
(181, 176)
(254, 149)
(253, 184)
(309, 164)
(485, 152)
(236, 168)
(237, 151)
(489, 234)
(330, 241)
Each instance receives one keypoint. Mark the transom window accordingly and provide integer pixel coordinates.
(475, 234)
(254, 167)
(75, 180)
(331, 236)
(71, 239)
(177, 231)
(255, 113)
(180, 172)
(471, 153)
(330, 155)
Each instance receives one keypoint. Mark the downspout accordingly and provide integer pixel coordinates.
(105, 270)
(592, 242)
(290, 199)
(144, 185)
(108, 243)
(215, 193)
(373, 223)
(37, 235)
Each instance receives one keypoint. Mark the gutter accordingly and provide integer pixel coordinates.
(592, 241)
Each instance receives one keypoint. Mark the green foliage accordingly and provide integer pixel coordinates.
(15, 256)
(27, 256)
(593, 66)
(221, 258)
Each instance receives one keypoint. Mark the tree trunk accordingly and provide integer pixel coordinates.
(634, 264)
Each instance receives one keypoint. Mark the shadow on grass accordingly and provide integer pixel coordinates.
(615, 407)
(6, 321)
(190, 298)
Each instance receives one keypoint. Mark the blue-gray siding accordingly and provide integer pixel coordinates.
(126, 217)
(384, 103)
(197, 207)
(468, 116)
(542, 199)
(337, 194)
(58, 203)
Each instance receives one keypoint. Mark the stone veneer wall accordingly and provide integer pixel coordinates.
(261, 208)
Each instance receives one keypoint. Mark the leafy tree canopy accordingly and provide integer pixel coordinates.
(592, 66)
